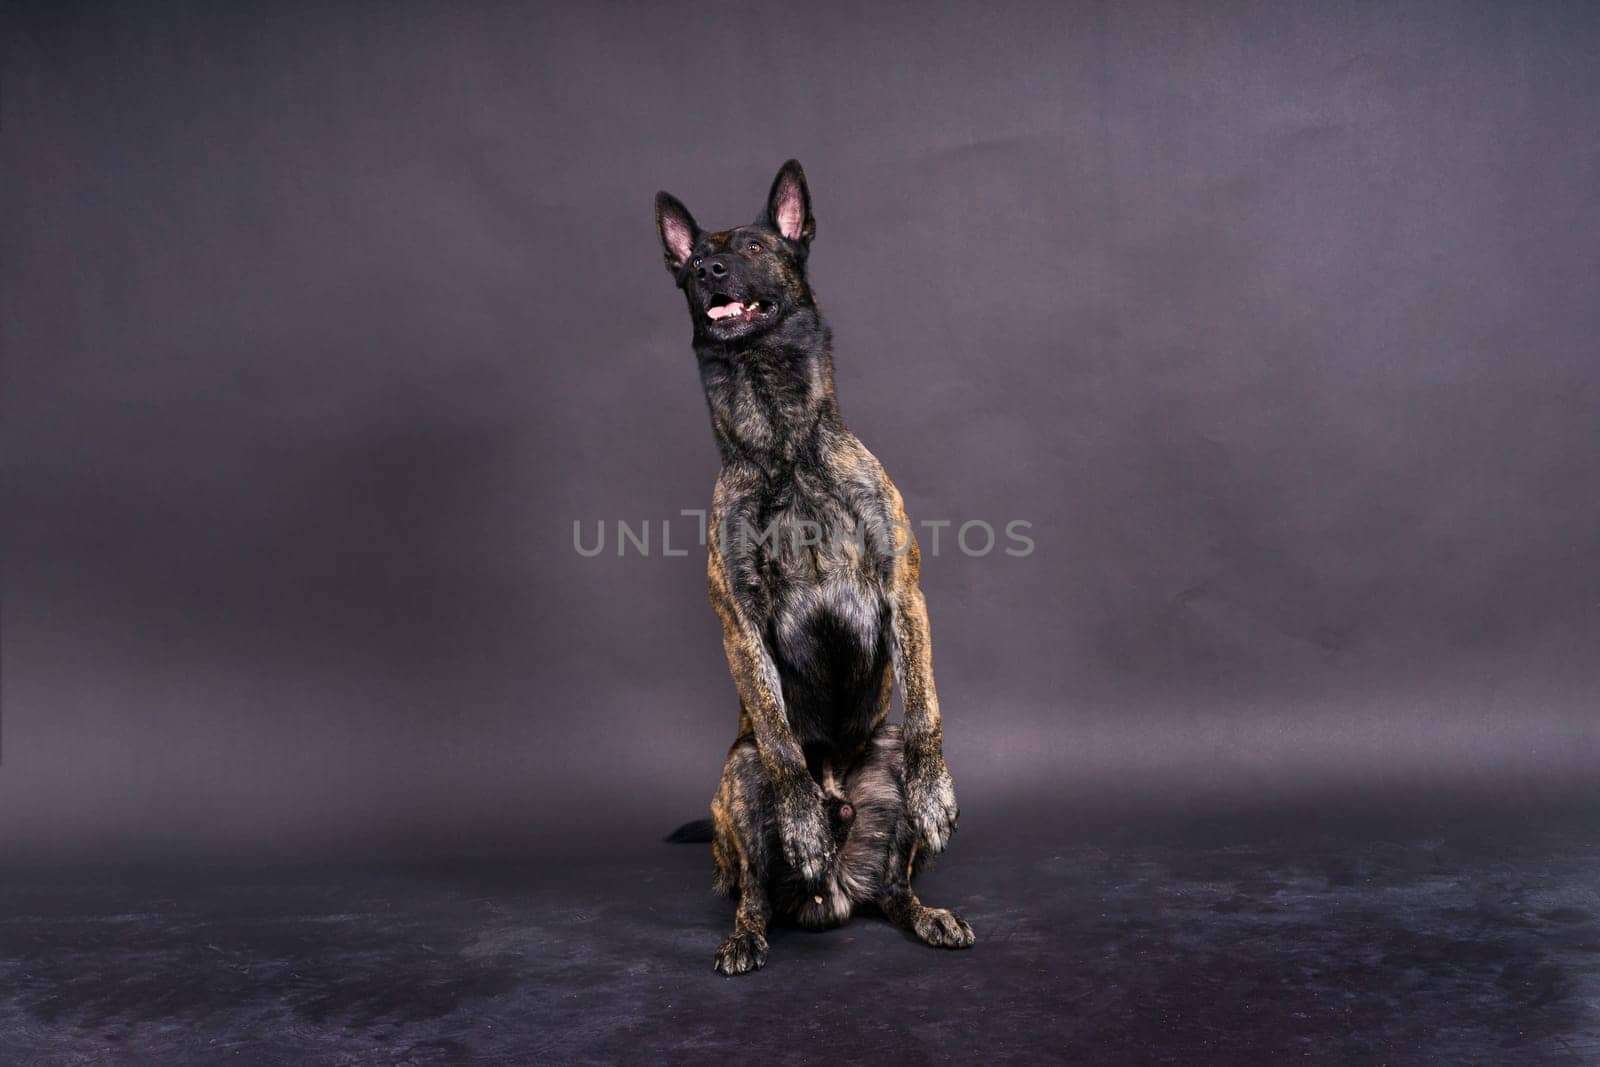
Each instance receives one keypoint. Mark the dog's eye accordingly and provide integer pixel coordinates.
(755, 246)
(696, 263)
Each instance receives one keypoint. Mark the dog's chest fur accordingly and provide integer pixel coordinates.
(807, 539)
(829, 617)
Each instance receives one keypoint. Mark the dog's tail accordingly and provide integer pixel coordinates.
(697, 832)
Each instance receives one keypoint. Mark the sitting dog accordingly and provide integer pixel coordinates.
(823, 803)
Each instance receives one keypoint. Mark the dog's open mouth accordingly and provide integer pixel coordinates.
(723, 308)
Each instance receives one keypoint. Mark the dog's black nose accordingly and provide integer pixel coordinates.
(714, 267)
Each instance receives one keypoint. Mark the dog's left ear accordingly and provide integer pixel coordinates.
(677, 229)
(789, 204)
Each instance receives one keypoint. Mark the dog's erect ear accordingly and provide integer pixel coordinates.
(789, 204)
(677, 229)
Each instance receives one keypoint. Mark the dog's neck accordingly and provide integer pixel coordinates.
(771, 398)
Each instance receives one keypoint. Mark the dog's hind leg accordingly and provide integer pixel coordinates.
(725, 864)
(745, 826)
(939, 927)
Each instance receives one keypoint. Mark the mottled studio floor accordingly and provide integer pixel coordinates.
(1455, 940)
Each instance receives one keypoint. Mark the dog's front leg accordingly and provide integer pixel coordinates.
(930, 791)
(797, 799)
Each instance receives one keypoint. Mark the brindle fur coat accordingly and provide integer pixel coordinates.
(824, 804)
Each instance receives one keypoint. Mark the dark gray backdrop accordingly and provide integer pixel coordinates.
(324, 322)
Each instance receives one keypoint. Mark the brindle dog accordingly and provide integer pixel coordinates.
(823, 803)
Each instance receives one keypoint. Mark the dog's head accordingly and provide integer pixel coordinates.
(744, 281)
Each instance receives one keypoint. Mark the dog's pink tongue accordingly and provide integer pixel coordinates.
(724, 311)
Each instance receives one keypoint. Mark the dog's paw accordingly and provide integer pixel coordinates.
(931, 802)
(741, 953)
(942, 928)
(808, 843)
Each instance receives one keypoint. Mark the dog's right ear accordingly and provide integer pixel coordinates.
(677, 229)
(789, 205)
